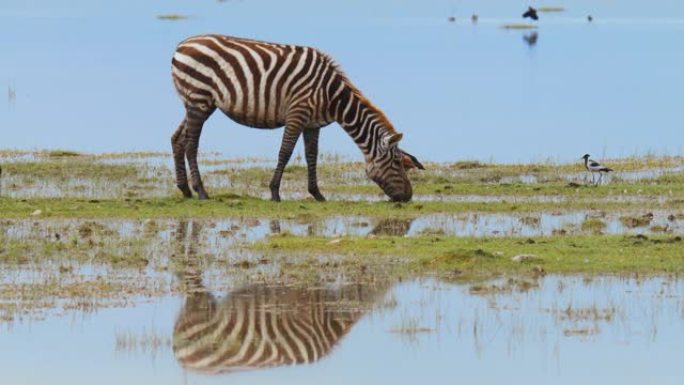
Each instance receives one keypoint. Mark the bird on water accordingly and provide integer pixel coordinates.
(531, 13)
(595, 167)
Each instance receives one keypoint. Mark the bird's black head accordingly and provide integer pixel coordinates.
(585, 157)
(531, 13)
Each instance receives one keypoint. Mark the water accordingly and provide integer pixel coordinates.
(94, 75)
(220, 235)
(556, 329)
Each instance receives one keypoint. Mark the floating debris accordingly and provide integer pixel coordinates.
(550, 9)
(518, 26)
(172, 16)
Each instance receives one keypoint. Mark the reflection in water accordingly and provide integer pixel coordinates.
(531, 38)
(259, 325)
(274, 226)
(392, 227)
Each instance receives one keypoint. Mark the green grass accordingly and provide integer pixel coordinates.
(594, 225)
(229, 205)
(561, 189)
(69, 168)
(61, 153)
(493, 256)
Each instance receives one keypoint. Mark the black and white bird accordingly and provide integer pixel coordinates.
(595, 167)
(531, 13)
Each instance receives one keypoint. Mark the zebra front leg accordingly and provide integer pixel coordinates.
(194, 120)
(311, 152)
(290, 137)
(178, 147)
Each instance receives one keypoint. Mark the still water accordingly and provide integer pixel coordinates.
(561, 330)
(95, 75)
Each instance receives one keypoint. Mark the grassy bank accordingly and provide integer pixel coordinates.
(502, 255)
(241, 206)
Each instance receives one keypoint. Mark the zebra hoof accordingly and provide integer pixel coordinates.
(202, 195)
(319, 197)
(275, 198)
(185, 189)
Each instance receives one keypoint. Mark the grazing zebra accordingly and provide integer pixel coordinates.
(261, 325)
(593, 166)
(267, 85)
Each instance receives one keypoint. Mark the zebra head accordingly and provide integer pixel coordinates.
(387, 169)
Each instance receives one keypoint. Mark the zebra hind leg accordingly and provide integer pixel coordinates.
(178, 146)
(311, 151)
(194, 120)
(290, 137)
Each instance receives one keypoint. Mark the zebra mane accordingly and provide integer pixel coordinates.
(380, 115)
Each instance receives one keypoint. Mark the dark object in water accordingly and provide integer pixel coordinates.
(474, 18)
(451, 19)
(531, 13)
(589, 18)
(531, 39)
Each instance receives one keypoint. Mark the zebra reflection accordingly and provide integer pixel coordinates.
(258, 326)
(392, 227)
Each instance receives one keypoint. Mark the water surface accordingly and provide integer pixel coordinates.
(556, 329)
(95, 75)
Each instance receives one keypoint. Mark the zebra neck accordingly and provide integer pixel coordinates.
(365, 123)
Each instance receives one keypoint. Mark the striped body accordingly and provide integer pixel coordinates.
(260, 325)
(256, 84)
(267, 85)
(263, 326)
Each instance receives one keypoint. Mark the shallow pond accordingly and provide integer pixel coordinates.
(554, 329)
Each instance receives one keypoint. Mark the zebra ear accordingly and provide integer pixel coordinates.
(410, 161)
(395, 138)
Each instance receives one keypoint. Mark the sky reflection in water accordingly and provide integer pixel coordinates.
(95, 75)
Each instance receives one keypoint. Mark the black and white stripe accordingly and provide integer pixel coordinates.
(263, 326)
(266, 85)
(260, 325)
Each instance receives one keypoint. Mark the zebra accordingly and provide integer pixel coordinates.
(268, 85)
(258, 326)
